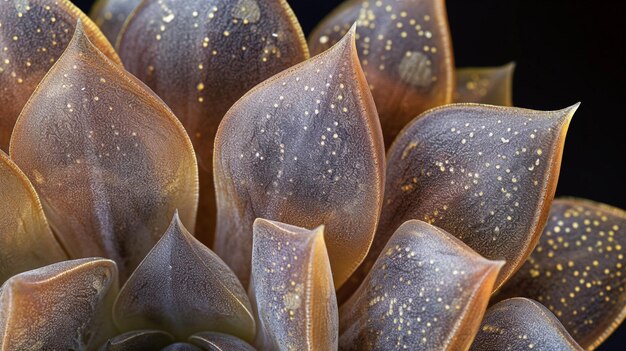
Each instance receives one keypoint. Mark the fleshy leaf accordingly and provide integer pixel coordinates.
(291, 288)
(183, 287)
(210, 341)
(110, 15)
(200, 57)
(426, 291)
(140, 340)
(578, 270)
(33, 35)
(63, 306)
(406, 53)
(490, 85)
(26, 241)
(486, 174)
(108, 159)
(522, 324)
(304, 148)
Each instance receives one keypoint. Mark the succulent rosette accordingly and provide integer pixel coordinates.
(210, 186)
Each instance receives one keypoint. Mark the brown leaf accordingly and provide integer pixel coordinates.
(577, 270)
(426, 291)
(26, 241)
(291, 288)
(304, 148)
(33, 35)
(488, 85)
(64, 306)
(485, 174)
(406, 53)
(109, 160)
(200, 57)
(184, 288)
(522, 324)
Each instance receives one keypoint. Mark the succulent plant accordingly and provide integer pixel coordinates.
(350, 205)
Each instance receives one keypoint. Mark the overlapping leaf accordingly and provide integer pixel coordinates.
(405, 50)
(181, 346)
(33, 35)
(211, 341)
(578, 270)
(426, 291)
(491, 85)
(201, 57)
(292, 289)
(26, 241)
(140, 340)
(107, 157)
(64, 306)
(303, 148)
(110, 15)
(150, 340)
(183, 287)
(485, 174)
(522, 324)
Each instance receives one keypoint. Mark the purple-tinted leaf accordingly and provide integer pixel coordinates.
(426, 291)
(33, 35)
(110, 15)
(184, 288)
(211, 341)
(291, 288)
(304, 148)
(485, 174)
(578, 270)
(200, 57)
(405, 50)
(63, 306)
(522, 324)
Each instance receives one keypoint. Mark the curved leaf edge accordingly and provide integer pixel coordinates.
(542, 212)
(375, 137)
(91, 28)
(126, 78)
(28, 186)
(621, 316)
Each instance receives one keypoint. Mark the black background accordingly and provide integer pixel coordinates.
(566, 51)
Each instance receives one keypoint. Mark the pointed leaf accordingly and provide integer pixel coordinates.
(64, 306)
(485, 174)
(110, 15)
(210, 341)
(142, 340)
(291, 288)
(183, 287)
(201, 57)
(33, 35)
(405, 50)
(426, 291)
(26, 241)
(303, 148)
(491, 85)
(522, 324)
(109, 160)
(577, 270)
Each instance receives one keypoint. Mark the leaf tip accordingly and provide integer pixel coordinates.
(570, 111)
